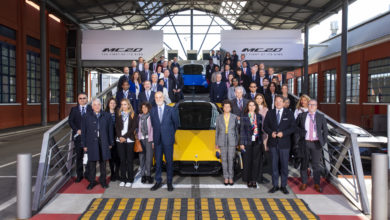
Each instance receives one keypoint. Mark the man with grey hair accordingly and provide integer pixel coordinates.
(239, 103)
(97, 138)
(218, 90)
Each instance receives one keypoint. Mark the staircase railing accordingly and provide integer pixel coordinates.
(343, 164)
(57, 158)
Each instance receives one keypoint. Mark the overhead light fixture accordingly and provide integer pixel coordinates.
(33, 4)
(55, 18)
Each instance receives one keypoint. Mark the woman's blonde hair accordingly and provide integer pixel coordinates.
(264, 104)
(130, 110)
(299, 106)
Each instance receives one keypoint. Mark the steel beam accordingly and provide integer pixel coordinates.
(305, 83)
(43, 62)
(344, 63)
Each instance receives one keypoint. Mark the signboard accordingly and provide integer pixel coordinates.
(264, 44)
(120, 45)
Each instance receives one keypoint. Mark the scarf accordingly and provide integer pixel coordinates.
(144, 124)
(253, 121)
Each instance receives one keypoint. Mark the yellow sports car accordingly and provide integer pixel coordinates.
(194, 149)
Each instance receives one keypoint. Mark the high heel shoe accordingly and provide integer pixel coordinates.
(226, 183)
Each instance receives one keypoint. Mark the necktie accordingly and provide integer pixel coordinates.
(278, 117)
(253, 78)
(154, 87)
(160, 113)
(240, 103)
(147, 75)
(147, 95)
(83, 111)
(253, 96)
(166, 83)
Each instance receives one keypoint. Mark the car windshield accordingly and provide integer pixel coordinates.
(193, 69)
(197, 115)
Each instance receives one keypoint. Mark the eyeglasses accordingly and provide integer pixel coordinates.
(82, 98)
(252, 86)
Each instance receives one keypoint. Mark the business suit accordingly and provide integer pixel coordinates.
(168, 84)
(178, 83)
(247, 71)
(236, 109)
(97, 136)
(312, 148)
(146, 75)
(227, 142)
(243, 81)
(130, 96)
(225, 75)
(279, 147)
(218, 92)
(254, 148)
(270, 99)
(75, 119)
(256, 79)
(122, 79)
(125, 150)
(157, 88)
(164, 138)
(251, 96)
(142, 97)
(132, 70)
(209, 72)
(153, 67)
(175, 65)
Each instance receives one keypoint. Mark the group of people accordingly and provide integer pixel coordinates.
(257, 116)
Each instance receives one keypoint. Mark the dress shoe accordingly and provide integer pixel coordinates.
(254, 184)
(249, 184)
(143, 179)
(303, 187)
(156, 186)
(104, 185)
(150, 179)
(317, 188)
(91, 185)
(284, 190)
(170, 187)
(273, 189)
(78, 179)
(232, 183)
(113, 178)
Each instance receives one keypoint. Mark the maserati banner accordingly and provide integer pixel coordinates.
(264, 44)
(120, 45)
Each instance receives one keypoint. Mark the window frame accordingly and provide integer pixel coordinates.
(8, 90)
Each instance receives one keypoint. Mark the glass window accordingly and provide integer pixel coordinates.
(33, 77)
(69, 84)
(54, 81)
(299, 85)
(353, 83)
(7, 73)
(379, 81)
(330, 86)
(290, 83)
(313, 84)
(197, 115)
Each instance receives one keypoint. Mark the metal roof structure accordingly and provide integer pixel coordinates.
(248, 15)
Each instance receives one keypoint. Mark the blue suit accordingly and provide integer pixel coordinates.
(218, 93)
(164, 138)
(130, 96)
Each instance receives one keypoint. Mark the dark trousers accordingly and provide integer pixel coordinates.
(114, 162)
(313, 151)
(79, 160)
(279, 157)
(168, 153)
(102, 165)
(125, 152)
(251, 161)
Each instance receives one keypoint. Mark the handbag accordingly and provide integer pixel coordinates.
(137, 146)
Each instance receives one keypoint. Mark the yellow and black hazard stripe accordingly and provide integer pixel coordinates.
(199, 208)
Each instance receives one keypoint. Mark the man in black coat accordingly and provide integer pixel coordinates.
(209, 70)
(279, 124)
(252, 91)
(225, 73)
(254, 77)
(126, 93)
(178, 85)
(153, 65)
(168, 83)
(147, 95)
(125, 77)
(174, 63)
(239, 103)
(313, 133)
(76, 115)
(97, 138)
(146, 74)
(234, 59)
(218, 90)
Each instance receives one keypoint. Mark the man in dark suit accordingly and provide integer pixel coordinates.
(254, 77)
(146, 74)
(245, 68)
(174, 64)
(178, 85)
(239, 103)
(270, 73)
(140, 65)
(264, 89)
(76, 115)
(234, 59)
(279, 124)
(154, 84)
(218, 90)
(226, 72)
(133, 67)
(147, 95)
(244, 60)
(97, 138)
(161, 61)
(165, 121)
(126, 93)
(153, 65)
(209, 70)
(125, 77)
(313, 133)
(168, 83)
(242, 79)
(252, 91)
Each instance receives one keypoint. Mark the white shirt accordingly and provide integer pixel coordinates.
(299, 111)
(148, 93)
(81, 108)
(154, 87)
(162, 110)
(124, 129)
(141, 67)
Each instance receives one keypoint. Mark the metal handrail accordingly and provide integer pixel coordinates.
(350, 152)
(51, 178)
